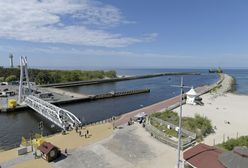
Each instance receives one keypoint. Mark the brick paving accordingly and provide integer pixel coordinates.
(148, 110)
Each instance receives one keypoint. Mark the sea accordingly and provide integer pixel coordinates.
(15, 125)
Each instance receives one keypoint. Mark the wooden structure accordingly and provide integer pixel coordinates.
(49, 152)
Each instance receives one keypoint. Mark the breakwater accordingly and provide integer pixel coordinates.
(99, 81)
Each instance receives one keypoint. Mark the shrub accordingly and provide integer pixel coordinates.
(231, 143)
(200, 125)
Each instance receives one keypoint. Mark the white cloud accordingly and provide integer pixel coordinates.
(64, 21)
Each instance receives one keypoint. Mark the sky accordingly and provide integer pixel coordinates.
(125, 33)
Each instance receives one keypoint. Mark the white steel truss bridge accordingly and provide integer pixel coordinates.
(61, 117)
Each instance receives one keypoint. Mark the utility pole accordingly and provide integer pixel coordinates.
(180, 121)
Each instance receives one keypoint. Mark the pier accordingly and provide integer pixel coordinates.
(100, 81)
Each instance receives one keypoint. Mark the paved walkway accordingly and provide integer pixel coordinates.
(17, 160)
(130, 147)
(148, 110)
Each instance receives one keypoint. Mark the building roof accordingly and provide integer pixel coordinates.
(236, 158)
(46, 147)
(203, 156)
(192, 92)
(140, 115)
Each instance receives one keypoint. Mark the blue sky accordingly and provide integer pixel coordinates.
(125, 33)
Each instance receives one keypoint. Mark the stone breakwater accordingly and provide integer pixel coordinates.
(227, 84)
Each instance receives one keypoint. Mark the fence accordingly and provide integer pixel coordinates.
(173, 142)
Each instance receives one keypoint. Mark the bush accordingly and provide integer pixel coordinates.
(200, 125)
(231, 143)
(1, 79)
(11, 78)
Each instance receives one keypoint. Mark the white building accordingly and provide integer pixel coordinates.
(191, 96)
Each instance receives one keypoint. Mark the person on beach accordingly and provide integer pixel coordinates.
(66, 152)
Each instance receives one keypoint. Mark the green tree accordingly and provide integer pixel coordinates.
(11, 78)
(42, 78)
(1, 79)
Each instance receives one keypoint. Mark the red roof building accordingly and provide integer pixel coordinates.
(49, 151)
(203, 156)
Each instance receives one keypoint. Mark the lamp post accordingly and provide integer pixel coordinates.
(180, 121)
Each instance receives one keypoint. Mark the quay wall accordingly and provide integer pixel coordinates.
(86, 98)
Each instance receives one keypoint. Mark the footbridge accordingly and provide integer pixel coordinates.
(61, 117)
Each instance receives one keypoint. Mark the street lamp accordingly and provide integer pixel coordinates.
(180, 121)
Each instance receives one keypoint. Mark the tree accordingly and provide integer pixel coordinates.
(42, 78)
(11, 78)
(1, 79)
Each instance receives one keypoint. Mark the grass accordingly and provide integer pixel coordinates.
(231, 143)
(200, 125)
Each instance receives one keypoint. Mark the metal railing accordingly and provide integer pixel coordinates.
(165, 138)
(61, 117)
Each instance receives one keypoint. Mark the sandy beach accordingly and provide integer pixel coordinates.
(222, 107)
(220, 110)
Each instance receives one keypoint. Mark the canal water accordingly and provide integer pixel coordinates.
(17, 124)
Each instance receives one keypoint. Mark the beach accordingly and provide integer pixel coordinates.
(227, 112)
(220, 110)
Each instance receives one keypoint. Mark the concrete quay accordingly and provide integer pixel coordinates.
(66, 97)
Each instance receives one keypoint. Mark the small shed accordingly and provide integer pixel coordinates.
(49, 152)
(191, 96)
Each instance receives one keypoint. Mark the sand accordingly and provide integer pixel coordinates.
(73, 140)
(220, 109)
(70, 141)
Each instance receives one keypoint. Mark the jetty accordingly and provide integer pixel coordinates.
(124, 78)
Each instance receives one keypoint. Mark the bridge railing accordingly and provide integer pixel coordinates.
(61, 117)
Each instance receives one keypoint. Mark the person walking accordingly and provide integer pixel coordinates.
(66, 152)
